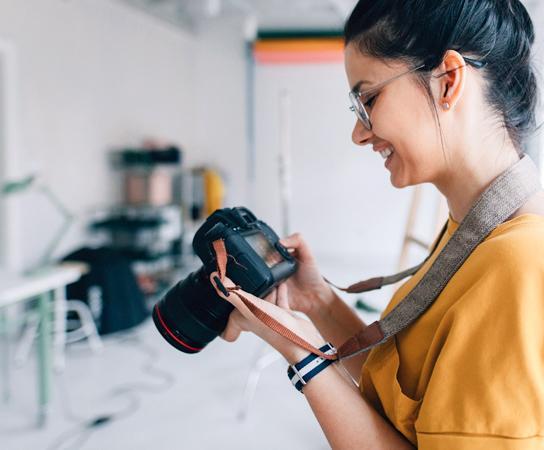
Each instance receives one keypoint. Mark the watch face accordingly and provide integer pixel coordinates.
(264, 249)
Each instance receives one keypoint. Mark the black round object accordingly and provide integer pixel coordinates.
(191, 314)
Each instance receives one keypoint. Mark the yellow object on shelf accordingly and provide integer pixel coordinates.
(214, 191)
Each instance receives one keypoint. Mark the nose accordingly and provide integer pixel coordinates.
(361, 135)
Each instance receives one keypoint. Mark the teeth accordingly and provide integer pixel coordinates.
(386, 153)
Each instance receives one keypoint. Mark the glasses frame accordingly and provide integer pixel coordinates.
(358, 104)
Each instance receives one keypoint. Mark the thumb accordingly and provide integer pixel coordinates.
(233, 329)
(297, 243)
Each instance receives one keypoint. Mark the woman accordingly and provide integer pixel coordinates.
(445, 90)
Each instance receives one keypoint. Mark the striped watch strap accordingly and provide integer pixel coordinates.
(303, 371)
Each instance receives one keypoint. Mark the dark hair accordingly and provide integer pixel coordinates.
(498, 32)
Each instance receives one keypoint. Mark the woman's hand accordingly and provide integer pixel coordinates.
(276, 305)
(307, 288)
(332, 396)
(312, 295)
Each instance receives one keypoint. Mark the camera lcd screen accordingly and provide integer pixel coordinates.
(262, 247)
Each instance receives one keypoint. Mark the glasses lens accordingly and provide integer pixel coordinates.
(359, 109)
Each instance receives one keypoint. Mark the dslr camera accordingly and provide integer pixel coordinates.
(192, 314)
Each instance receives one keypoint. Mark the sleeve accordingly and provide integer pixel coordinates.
(486, 390)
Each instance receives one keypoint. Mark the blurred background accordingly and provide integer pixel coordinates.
(123, 125)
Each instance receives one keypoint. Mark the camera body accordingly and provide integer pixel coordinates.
(257, 260)
(191, 314)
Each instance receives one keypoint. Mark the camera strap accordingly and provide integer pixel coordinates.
(376, 283)
(506, 194)
(265, 318)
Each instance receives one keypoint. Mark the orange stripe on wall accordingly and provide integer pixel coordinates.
(297, 57)
(277, 51)
(299, 45)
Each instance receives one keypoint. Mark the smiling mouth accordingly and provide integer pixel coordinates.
(386, 153)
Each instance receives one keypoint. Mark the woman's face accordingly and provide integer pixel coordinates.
(401, 117)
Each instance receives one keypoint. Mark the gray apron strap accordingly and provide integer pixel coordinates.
(508, 192)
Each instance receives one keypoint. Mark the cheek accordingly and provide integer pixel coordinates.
(406, 118)
(411, 128)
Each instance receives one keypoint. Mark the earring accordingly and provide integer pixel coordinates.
(446, 105)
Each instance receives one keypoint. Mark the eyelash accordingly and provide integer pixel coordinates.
(371, 101)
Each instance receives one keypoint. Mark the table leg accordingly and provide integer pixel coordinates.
(44, 357)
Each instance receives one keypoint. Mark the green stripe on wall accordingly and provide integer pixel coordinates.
(299, 34)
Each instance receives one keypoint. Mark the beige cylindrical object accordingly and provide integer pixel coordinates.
(148, 188)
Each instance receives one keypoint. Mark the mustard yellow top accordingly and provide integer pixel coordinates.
(469, 373)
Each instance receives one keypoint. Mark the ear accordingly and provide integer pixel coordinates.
(451, 75)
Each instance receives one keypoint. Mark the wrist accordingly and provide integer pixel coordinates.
(322, 304)
(301, 372)
(293, 353)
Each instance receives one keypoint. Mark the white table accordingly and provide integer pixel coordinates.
(41, 284)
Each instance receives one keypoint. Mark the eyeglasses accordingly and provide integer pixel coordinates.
(360, 101)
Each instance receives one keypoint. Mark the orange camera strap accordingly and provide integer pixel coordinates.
(506, 194)
(367, 337)
(265, 318)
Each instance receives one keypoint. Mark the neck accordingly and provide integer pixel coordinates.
(464, 182)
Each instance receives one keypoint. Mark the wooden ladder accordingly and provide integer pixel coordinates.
(410, 237)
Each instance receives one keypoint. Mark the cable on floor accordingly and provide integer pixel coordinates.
(75, 437)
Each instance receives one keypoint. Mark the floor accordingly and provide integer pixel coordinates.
(161, 399)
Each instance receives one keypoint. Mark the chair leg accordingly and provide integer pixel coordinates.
(264, 358)
(25, 343)
(88, 327)
(59, 343)
(44, 358)
(61, 336)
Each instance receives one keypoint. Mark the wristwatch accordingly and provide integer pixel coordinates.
(303, 371)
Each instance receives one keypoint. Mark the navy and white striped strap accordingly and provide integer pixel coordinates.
(303, 371)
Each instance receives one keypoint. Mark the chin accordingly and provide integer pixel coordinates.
(401, 180)
(399, 183)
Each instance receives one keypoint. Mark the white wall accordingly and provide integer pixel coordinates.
(342, 199)
(94, 75)
(220, 111)
(536, 143)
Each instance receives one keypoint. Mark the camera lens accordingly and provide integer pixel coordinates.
(191, 314)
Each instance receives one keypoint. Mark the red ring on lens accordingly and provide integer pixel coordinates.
(172, 335)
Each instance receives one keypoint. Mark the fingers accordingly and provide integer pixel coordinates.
(296, 242)
(234, 327)
(245, 318)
